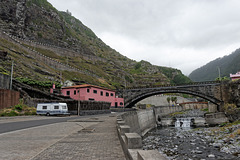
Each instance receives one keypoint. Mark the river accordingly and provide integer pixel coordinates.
(183, 143)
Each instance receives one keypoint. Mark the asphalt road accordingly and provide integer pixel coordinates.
(13, 126)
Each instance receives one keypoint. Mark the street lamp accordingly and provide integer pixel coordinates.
(79, 102)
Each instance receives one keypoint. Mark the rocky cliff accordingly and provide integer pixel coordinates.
(49, 45)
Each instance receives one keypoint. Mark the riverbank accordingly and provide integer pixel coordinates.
(221, 143)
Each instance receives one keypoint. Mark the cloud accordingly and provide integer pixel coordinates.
(182, 34)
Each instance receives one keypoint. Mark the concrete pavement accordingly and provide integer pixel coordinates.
(96, 142)
(65, 140)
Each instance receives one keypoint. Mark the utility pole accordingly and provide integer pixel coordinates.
(11, 76)
(219, 74)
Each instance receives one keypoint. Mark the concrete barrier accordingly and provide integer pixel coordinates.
(150, 155)
(120, 123)
(124, 129)
(216, 118)
(133, 140)
(136, 124)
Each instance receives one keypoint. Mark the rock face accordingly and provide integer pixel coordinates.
(20, 17)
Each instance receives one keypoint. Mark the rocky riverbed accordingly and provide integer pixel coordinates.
(218, 143)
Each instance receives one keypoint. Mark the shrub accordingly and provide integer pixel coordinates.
(18, 107)
(205, 109)
(11, 113)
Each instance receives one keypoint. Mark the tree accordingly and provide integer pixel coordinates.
(175, 100)
(168, 99)
(172, 99)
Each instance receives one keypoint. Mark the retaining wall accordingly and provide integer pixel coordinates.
(140, 121)
(131, 126)
(4, 81)
(8, 98)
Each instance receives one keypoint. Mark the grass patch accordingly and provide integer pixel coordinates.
(205, 109)
(176, 113)
(18, 110)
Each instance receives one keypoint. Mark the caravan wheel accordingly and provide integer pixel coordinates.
(48, 114)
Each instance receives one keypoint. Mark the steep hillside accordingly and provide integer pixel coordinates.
(48, 45)
(227, 64)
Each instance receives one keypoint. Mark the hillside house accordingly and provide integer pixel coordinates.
(235, 76)
(88, 92)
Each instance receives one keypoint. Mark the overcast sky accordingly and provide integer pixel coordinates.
(182, 34)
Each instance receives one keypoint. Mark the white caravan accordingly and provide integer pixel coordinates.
(52, 109)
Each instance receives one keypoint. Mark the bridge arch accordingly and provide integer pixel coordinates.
(141, 96)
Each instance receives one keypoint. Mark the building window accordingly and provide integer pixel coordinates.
(112, 94)
(91, 99)
(121, 103)
(75, 92)
(107, 94)
(95, 91)
(64, 107)
(68, 93)
(44, 107)
(88, 90)
(101, 93)
(56, 107)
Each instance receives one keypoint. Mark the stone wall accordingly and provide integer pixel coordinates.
(161, 100)
(165, 110)
(140, 121)
(131, 126)
(4, 81)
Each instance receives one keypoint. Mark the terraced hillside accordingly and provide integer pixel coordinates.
(49, 45)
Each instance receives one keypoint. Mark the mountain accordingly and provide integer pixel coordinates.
(210, 71)
(48, 46)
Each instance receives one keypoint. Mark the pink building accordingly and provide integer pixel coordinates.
(87, 92)
(235, 76)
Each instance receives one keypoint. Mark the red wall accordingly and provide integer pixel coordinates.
(8, 98)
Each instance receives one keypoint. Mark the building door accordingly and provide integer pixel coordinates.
(116, 104)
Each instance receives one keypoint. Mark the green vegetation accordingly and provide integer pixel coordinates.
(3, 71)
(222, 79)
(39, 35)
(231, 109)
(176, 76)
(176, 113)
(46, 84)
(18, 110)
(174, 99)
(168, 100)
(181, 79)
(205, 109)
(41, 3)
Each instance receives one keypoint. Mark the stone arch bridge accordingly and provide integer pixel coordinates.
(213, 91)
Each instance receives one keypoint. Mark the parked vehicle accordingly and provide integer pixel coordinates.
(52, 109)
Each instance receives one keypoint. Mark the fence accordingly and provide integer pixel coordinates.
(8, 98)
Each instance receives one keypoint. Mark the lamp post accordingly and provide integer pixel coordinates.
(79, 102)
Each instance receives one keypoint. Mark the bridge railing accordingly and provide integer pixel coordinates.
(172, 85)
